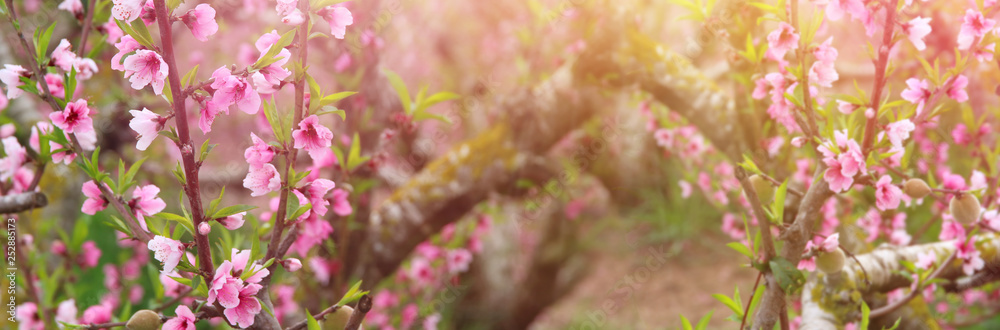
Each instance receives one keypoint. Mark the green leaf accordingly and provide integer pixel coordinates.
(703, 323)
(269, 57)
(332, 98)
(865, 312)
(230, 210)
(778, 204)
(435, 99)
(354, 158)
(742, 249)
(42, 42)
(733, 305)
(311, 323)
(352, 294)
(186, 81)
(329, 109)
(130, 175)
(685, 323)
(183, 221)
(400, 87)
(789, 277)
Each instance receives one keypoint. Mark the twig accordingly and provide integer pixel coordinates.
(176, 299)
(913, 293)
(317, 317)
(868, 282)
(880, 70)
(87, 22)
(191, 168)
(746, 311)
(18, 203)
(364, 305)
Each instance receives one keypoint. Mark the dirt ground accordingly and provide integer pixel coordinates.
(629, 288)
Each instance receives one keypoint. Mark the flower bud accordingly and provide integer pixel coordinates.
(765, 191)
(830, 262)
(291, 264)
(204, 228)
(339, 318)
(143, 320)
(965, 208)
(916, 188)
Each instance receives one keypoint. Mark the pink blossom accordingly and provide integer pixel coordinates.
(843, 167)
(27, 317)
(292, 264)
(75, 118)
(183, 321)
(458, 260)
(85, 68)
(16, 155)
(957, 89)
(146, 67)
(243, 314)
(916, 29)
(233, 222)
(167, 251)
(73, 6)
(343, 62)
(846, 107)
(62, 56)
(67, 311)
(887, 195)
(126, 10)
(431, 321)
(917, 92)
(147, 124)
(311, 135)
(259, 153)
(204, 228)
(961, 134)
(55, 84)
(285, 7)
(230, 89)
(899, 131)
(409, 315)
(201, 21)
(262, 180)
(685, 188)
(267, 80)
(836, 8)
(974, 26)
(830, 243)
(225, 288)
(971, 260)
(126, 45)
(951, 230)
(10, 76)
(96, 314)
(823, 74)
(113, 31)
(240, 260)
(95, 200)
(146, 203)
(341, 206)
(338, 17)
(294, 18)
(89, 255)
(926, 260)
(421, 272)
(783, 40)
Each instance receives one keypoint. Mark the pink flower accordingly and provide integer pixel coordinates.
(146, 67)
(974, 26)
(843, 167)
(846, 107)
(167, 251)
(75, 118)
(230, 89)
(96, 314)
(126, 45)
(887, 195)
(341, 206)
(458, 260)
(10, 76)
(836, 8)
(67, 312)
(16, 155)
(338, 18)
(268, 79)
(971, 261)
(916, 29)
(63, 57)
(233, 222)
(126, 10)
(917, 92)
(183, 321)
(294, 18)
(147, 124)
(925, 260)
(262, 180)
(285, 7)
(782, 40)
(312, 136)
(957, 89)
(85, 68)
(899, 131)
(89, 255)
(421, 272)
(292, 264)
(243, 314)
(951, 230)
(685, 188)
(204, 228)
(317, 189)
(823, 74)
(73, 6)
(201, 21)
(55, 84)
(145, 203)
(225, 288)
(259, 153)
(27, 317)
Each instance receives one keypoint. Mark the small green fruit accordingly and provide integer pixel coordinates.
(143, 320)
(765, 191)
(339, 318)
(916, 188)
(830, 262)
(965, 208)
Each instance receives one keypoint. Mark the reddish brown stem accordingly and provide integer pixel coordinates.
(880, 69)
(191, 186)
